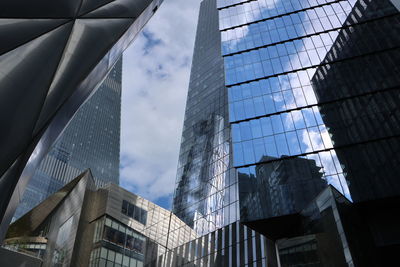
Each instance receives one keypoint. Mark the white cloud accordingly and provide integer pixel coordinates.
(238, 34)
(155, 79)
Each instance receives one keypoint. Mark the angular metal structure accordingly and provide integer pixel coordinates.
(53, 54)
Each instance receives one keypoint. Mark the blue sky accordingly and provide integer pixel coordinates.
(156, 70)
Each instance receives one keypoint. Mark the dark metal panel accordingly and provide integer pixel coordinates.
(89, 5)
(27, 30)
(119, 9)
(38, 8)
(94, 33)
(23, 88)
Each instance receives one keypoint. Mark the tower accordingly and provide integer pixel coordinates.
(91, 140)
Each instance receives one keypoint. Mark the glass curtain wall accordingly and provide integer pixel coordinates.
(294, 82)
(206, 185)
(115, 244)
(303, 124)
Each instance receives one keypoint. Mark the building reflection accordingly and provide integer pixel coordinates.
(280, 187)
(208, 157)
(206, 185)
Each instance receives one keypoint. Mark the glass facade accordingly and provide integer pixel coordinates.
(297, 100)
(206, 185)
(323, 242)
(231, 245)
(134, 212)
(129, 211)
(116, 244)
(309, 112)
(91, 140)
(34, 248)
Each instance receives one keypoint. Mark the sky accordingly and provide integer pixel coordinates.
(155, 78)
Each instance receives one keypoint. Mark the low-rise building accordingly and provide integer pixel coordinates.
(81, 225)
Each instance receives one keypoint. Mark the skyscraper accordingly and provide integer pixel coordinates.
(205, 159)
(91, 140)
(293, 159)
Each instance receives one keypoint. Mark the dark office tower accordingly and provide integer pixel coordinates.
(363, 110)
(203, 182)
(91, 140)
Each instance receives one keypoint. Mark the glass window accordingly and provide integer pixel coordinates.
(114, 236)
(118, 258)
(103, 253)
(270, 146)
(144, 216)
(125, 261)
(248, 152)
(138, 245)
(305, 144)
(287, 122)
(308, 115)
(136, 214)
(266, 126)
(236, 133)
(245, 131)
(111, 255)
(277, 124)
(259, 106)
(124, 207)
(278, 101)
(255, 89)
(281, 144)
(130, 210)
(129, 242)
(239, 110)
(289, 99)
(114, 225)
(255, 128)
(298, 119)
(269, 104)
(249, 108)
(315, 137)
(293, 143)
(238, 154)
(235, 93)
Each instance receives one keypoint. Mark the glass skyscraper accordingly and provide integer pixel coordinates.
(290, 144)
(204, 167)
(91, 140)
